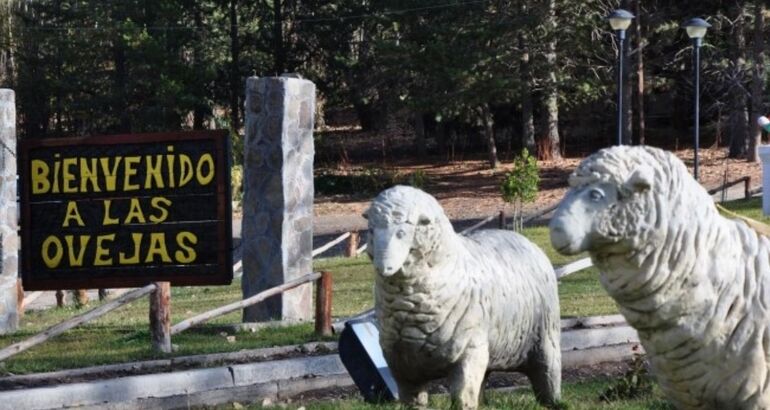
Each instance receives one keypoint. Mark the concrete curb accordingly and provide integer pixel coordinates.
(278, 379)
(248, 382)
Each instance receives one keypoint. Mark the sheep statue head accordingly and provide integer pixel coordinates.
(405, 229)
(691, 282)
(620, 202)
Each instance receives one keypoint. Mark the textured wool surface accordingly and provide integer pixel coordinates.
(457, 306)
(695, 285)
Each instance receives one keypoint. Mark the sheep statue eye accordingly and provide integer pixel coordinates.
(595, 195)
(400, 234)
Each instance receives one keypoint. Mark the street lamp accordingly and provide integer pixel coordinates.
(696, 29)
(619, 21)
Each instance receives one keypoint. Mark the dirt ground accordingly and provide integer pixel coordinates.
(469, 189)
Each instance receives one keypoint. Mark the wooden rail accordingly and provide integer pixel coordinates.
(331, 244)
(75, 321)
(746, 181)
(259, 297)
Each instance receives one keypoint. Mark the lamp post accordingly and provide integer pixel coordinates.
(696, 28)
(619, 21)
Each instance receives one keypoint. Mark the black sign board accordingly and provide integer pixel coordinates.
(125, 210)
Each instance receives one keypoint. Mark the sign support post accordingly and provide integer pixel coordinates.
(160, 317)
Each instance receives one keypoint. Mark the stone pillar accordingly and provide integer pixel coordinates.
(764, 155)
(277, 230)
(9, 239)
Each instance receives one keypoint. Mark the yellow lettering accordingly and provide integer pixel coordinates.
(68, 176)
(186, 171)
(56, 168)
(72, 213)
(129, 171)
(110, 175)
(88, 175)
(187, 253)
(135, 212)
(153, 171)
(161, 204)
(134, 259)
(52, 261)
(40, 184)
(101, 252)
(76, 261)
(170, 165)
(157, 247)
(205, 159)
(108, 220)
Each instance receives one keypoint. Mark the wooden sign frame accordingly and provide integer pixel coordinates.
(130, 254)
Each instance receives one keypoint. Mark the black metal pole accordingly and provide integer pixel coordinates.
(621, 49)
(696, 67)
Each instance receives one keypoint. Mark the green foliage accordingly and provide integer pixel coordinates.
(417, 179)
(521, 183)
(236, 182)
(635, 384)
(368, 181)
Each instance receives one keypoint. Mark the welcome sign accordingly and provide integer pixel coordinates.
(124, 211)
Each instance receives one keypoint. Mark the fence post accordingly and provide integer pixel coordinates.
(81, 297)
(747, 188)
(160, 317)
(352, 245)
(9, 272)
(501, 221)
(323, 305)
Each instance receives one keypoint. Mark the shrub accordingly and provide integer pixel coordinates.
(520, 185)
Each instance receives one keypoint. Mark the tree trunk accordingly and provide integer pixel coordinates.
(235, 79)
(527, 120)
(757, 81)
(489, 135)
(628, 87)
(639, 124)
(200, 108)
(279, 52)
(738, 115)
(553, 142)
(419, 134)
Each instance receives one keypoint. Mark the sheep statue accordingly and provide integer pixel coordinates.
(460, 307)
(695, 285)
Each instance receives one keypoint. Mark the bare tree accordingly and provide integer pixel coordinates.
(757, 80)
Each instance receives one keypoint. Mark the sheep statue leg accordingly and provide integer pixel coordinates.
(467, 378)
(413, 396)
(544, 372)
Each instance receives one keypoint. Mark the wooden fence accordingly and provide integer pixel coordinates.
(159, 292)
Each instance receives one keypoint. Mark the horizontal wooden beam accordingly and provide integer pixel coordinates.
(75, 321)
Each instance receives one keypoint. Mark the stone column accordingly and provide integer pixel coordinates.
(764, 156)
(277, 231)
(9, 239)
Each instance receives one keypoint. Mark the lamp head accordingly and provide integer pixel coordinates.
(620, 19)
(696, 27)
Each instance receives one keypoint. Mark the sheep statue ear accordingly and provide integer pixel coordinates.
(640, 180)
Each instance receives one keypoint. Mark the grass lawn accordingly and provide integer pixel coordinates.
(123, 335)
(575, 396)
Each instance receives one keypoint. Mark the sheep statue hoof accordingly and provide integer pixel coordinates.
(460, 307)
(695, 285)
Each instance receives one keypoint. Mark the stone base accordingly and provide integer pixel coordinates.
(9, 317)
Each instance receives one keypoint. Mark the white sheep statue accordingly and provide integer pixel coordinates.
(695, 285)
(460, 307)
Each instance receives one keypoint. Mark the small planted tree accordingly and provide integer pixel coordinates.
(520, 185)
